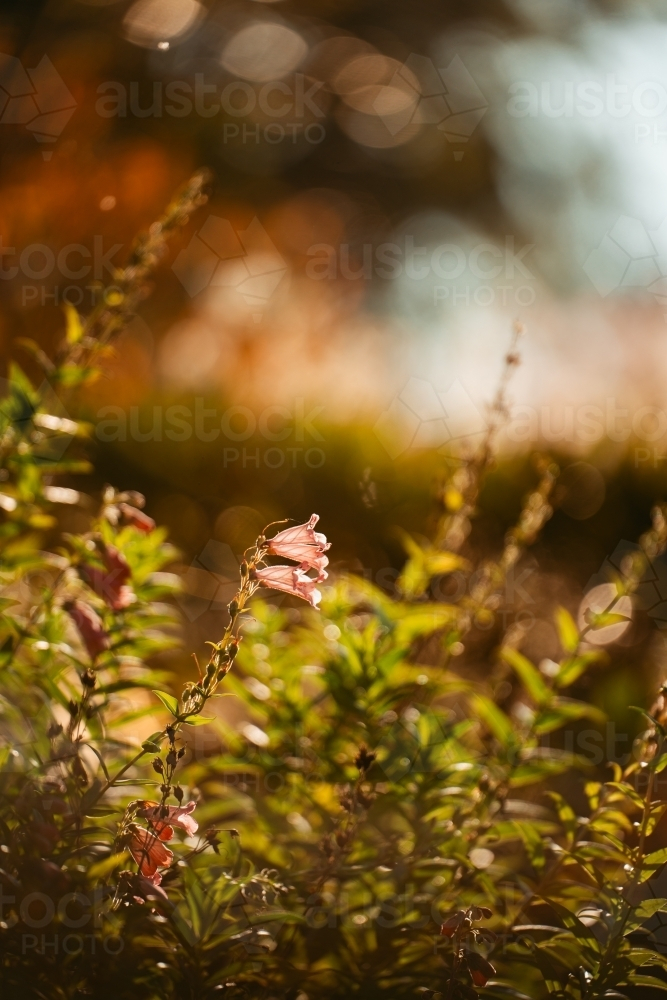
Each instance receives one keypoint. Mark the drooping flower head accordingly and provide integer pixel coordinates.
(110, 583)
(137, 518)
(149, 853)
(303, 545)
(291, 580)
(90, 627)
(164, 818)
(117, 595)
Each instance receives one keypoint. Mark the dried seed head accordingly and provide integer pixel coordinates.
(364, 759)
(79, 771)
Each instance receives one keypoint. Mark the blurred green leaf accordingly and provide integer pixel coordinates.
(74, 328)
(528, 674)
(494, 718)
(568, 632)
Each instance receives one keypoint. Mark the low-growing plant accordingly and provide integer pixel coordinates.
(387, 822)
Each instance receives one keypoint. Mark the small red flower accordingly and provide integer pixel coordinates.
(480, 969)
(137, 518)
(149, 853)
(90, 627)
(111, 584)
(163, 818)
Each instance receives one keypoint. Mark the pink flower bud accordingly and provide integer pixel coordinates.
(112, 584)
(90, 627)
(137, 518)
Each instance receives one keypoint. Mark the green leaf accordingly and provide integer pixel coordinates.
(136, 781)
(168, 701)
(625, 789)
(568, 632)
(574, 924)
(100, 758)
(648, 909)
(494, 718)
(562, 710)
(423, 619)
(658, 810)
(566, 814)
(537, 770)
(644, 957)
(199, 720)
(103, 868)
(74, 331)
(656, 984)
(423, 563)
(529, 674)
(644, 912)
(647, 715)
(534, 843)
(552, 973)
(603, 619)
(573, 667)
(155, 739)
(72, 375)
(656, 859)
(19, 380)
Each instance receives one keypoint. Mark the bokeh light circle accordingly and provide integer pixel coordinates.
(264, 51)
(382, 96)
(598, 599)
(150, 22)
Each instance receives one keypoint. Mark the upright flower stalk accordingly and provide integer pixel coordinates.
(304, 546)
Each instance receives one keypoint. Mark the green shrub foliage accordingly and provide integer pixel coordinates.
(385, 824)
